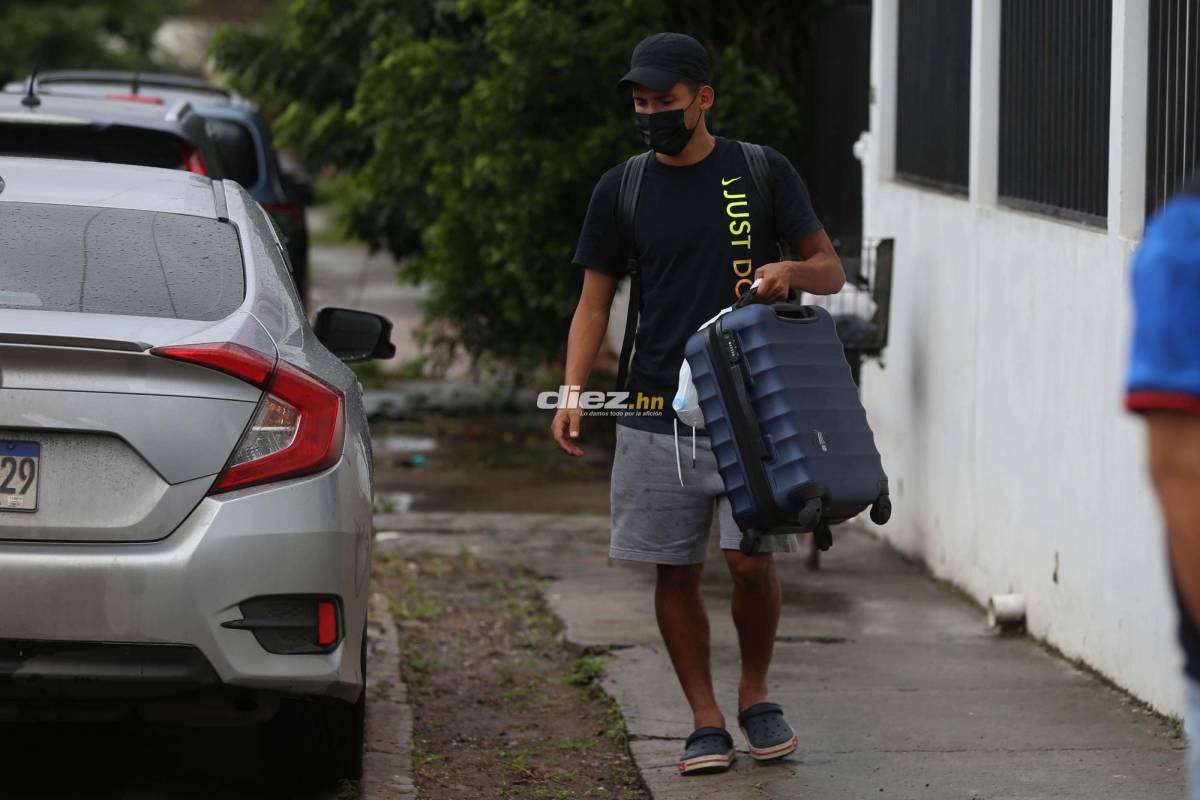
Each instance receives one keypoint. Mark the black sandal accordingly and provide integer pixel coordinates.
(767, 732)
(707, 750)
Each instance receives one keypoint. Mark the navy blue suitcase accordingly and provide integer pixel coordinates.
(785, 421)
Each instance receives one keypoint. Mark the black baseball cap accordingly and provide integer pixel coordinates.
(662, 60)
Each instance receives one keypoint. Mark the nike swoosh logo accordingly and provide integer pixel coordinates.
(727, 181)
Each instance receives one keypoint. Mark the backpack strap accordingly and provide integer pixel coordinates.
(760, 171)
(764, 182)
(627, 200)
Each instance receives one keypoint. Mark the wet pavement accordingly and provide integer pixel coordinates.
(893, 683)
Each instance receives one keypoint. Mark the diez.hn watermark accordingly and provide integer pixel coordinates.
(602, 404)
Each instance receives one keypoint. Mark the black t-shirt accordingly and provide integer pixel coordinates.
(700, 232)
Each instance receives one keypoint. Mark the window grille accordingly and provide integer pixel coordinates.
(933, 93)
(1172, 98)
(1054, 100)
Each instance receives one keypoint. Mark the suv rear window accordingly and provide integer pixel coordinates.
(118, 261)
(116, 144)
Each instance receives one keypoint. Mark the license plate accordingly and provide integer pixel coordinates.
(19, 467)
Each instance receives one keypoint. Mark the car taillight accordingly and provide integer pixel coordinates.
(298, 428)
(327, 627)
(192, 161)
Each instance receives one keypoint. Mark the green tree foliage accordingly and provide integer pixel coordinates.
(59, 34)
(471, 133)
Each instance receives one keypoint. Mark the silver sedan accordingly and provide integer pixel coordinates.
(185, 466)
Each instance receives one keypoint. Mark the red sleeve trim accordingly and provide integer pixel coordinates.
(1162, 401)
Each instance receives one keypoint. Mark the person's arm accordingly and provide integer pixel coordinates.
(1174, 454)
(588, 326)
(1163, 383)
(600, 256)
(819, 272)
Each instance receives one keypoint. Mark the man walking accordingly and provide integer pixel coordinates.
(1164, 385)
(701, 235)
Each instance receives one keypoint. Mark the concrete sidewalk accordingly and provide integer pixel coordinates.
(892, 682)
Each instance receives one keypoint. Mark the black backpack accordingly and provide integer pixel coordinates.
(627, 199)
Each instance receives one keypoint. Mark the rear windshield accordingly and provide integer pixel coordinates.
(116, 144)
(118, 261)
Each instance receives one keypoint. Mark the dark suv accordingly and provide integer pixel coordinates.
(89, 129)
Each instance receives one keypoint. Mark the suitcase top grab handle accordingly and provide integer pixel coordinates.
(790, 309)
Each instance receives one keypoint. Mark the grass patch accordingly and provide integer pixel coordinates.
(417, 608)
(616, 729)
(587, 670)
(423, 760)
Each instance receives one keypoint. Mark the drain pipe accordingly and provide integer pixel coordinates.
(1006, 612)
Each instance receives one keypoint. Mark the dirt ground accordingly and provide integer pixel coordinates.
(502, 708)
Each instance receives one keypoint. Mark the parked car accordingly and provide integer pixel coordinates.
(172, 135)
(240, 134)
(185, 467)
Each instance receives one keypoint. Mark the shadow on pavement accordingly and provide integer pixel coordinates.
(136, 761)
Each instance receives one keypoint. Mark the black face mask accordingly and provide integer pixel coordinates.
(665, 131)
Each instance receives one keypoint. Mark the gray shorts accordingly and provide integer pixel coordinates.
(654, 519)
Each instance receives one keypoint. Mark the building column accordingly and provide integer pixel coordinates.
(984, 158)
(1127, 118)
(879, 155)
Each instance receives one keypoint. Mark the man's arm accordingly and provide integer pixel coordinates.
(583, 343)
(1174, 442)
(819, 272)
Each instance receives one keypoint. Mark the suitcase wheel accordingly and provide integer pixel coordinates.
(881, 512)
(823, 537)
(811, 512)
(750, 541)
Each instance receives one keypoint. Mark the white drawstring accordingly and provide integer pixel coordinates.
(678, 465)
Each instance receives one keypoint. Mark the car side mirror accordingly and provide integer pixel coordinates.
(354, 335)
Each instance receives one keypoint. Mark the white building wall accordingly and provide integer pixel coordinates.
(998, 412)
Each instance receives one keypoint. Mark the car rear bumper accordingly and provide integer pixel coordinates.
(100, 670)
(298, 537)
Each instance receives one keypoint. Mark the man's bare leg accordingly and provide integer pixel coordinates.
(756, 604)
(684, 627)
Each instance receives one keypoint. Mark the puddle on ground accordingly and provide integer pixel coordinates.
(394, 502)
(397, 444)
(495, 463)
